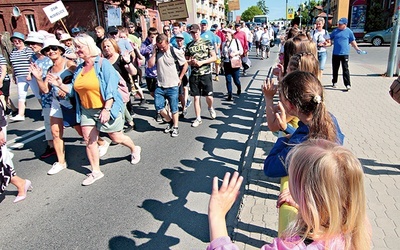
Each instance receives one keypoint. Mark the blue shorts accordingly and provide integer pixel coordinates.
(322, 59)
(171, 94)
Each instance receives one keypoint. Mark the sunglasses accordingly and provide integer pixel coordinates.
(113, 33)
(30, 43)
(167, 30)
(131, 27)
(51, 47)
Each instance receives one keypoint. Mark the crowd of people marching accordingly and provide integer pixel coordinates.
(87, 83)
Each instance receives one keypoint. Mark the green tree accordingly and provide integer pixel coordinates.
(248, 14)
(263, 7)
(376, 17)
(305, 10)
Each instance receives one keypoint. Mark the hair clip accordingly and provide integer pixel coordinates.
(317, 99)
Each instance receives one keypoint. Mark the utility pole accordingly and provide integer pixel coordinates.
(327, 14)
(286, 14)
(393, 42)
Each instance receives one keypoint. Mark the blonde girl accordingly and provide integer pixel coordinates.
(327, 182)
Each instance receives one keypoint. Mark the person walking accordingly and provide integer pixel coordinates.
(20, 59)
(200, 54)
(342, 38)
(231, 48)
(321, 37)
(168, 60)
(99, 104)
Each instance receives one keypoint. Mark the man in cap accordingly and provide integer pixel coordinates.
(177, 30)
(75, 31)
(342, 38)
(200, 53)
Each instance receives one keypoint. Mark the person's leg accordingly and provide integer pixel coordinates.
(22, 92)
(90, 134)
(228, 78)
(125, 140)
(236, 80)
(335, 68)
(345, 68)
(57, 130)
(19, 183)
(172, 96)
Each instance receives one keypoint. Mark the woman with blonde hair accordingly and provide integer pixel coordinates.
(321, 39)
(99, 104)
(124, 66)
(327, 183)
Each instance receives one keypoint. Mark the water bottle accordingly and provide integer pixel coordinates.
(361, 52)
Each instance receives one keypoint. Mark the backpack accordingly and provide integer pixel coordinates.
(122, 87)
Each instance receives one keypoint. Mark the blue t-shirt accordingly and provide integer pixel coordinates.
(341, 41)
(186, 40)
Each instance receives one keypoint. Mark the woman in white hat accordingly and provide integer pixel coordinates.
(35, 41)
(61, 71)
(20, 62)
(68, 41)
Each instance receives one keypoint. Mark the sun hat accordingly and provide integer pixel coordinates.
(65, 37)
(18, 35)
(343, 20)
(35, 37)
(52, 42)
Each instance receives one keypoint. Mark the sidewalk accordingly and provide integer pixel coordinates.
(368, 118)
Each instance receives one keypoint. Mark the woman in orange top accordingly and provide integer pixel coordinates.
(99, 104)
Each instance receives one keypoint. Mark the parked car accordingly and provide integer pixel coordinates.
(377, 38)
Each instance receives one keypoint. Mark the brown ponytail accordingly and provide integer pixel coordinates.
(305, 91)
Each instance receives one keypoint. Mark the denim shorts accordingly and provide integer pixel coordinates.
(90, 117)
(322, 59)
(171, 94)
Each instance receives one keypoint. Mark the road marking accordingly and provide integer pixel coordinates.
(24, 141)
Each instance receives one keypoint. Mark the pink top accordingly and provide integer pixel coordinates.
(295, 243)
(242, 37)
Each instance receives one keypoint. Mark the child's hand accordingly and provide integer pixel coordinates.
(286, 197)
(281, 116)
(269, 89)
(222, 200)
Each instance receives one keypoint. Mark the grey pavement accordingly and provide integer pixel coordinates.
(369, 119)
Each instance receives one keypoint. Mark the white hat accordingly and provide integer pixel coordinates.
(65, 37)
(52, 42)
(35, 37)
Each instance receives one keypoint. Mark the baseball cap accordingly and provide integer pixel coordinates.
(215, 26)
(75, 30)
(194, 28)
(112, 29)
(180, 35)
(343, 20)
(212, 29)
(237, 24)
(204, 21)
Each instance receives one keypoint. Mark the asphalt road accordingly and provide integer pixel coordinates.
(160, 203)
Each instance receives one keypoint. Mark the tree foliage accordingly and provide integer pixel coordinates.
(305, 10)
(263, 7)
(376, 17)
(248, 14)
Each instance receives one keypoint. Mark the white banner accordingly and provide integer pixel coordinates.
(55, 11)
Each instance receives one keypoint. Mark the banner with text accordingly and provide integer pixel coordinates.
(55, 11)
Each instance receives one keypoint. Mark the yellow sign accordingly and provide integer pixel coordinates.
(173, 10)
(290, 13)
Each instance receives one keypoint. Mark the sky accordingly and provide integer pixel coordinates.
(276, 7)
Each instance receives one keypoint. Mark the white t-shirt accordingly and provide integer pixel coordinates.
(167, 74)
(265, 37)
(320, 37)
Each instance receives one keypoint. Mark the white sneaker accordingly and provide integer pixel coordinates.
(348, 87)
(91, 178)
(57, 167)
(103, 148)
(18, 118)
(213, 114)
(196, 123)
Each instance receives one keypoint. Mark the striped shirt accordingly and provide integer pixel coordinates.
(4, 62)
(20, 60)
